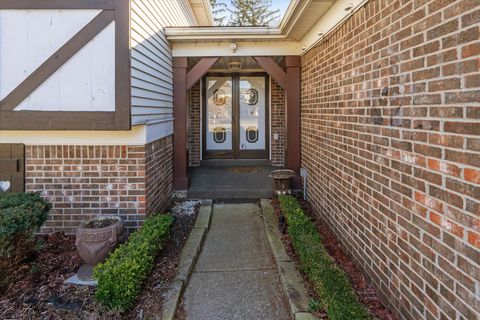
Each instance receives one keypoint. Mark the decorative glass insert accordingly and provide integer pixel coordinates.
(252, 134)
(219, 135)
(251, 97)
(219, 113)
(252, 113)
(219, 97)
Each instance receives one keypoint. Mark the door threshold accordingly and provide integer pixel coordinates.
(235, 162)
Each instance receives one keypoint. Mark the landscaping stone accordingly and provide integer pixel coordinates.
(294, 287)
(292, 281)
(79, 282)
(305, 316)
(189, 253)
(172, 300)
(203, 219)
(273, 234)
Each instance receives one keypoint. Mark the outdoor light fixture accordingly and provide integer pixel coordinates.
(349, 6)
(234, 65)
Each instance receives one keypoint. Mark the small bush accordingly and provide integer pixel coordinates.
(21, 215)
(121, 276)
(330, 282)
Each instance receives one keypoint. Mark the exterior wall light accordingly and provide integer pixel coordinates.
(349, 6)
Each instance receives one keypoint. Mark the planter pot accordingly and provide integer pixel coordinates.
(282, 180)
(94, 242)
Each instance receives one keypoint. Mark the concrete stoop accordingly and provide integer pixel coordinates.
(292, 281)
(188, 257)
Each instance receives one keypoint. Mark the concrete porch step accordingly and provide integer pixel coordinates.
(231, 182)
(235, 162)
(225, 195)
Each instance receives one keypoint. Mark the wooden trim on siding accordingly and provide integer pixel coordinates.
(112, 10)
(197, 72)
(57, 4)
(273, 69)
(122, 65)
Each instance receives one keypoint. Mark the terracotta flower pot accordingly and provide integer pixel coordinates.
(94, 241)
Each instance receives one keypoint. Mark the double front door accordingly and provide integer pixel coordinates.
(235, 116)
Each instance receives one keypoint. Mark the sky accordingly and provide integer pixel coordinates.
(282, 5)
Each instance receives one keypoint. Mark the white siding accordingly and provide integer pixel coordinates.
(152, 74)
(84, 83)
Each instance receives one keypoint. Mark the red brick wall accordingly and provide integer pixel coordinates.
(391, 141)
(84, 181)
(277, 124)
(194, 125)
(159, 174)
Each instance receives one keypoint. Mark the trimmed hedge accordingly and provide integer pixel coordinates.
(121, 276)
(330, 282)
(21, 215)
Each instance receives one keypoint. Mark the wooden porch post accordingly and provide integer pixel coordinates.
(180, 170)
(292, 66)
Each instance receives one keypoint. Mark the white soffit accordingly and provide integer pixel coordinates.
(305, 23)
(332, 18)
(202, 11)
(245, 48)
(302, 15)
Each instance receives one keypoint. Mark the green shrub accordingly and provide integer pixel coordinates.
(330, 282)
(121, 276)
(21, 215)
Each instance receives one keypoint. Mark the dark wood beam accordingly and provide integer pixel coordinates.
(199, 70)
(57, 60)
(293, 78)
(57, 4)
(273, 69)
(180, 165)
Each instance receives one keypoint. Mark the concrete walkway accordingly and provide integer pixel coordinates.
(235, 276)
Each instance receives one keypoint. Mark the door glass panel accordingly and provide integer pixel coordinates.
(252, 113)
(219, 135)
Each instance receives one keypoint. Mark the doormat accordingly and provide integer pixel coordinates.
(244, 170)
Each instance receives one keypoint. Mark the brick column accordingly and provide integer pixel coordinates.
(180, 166)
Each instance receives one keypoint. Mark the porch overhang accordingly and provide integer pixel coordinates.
(305, 24)
(185, 76)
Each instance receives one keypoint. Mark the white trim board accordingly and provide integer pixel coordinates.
(223, 49)
(139, 135)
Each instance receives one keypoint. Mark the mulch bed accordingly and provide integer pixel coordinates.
(37, 290)
(366, 294)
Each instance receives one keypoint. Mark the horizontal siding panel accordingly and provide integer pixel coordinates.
(140, 92)
(150, 86)
(157, 36)
(150, 43)
(149, 118)
(141, 101)
(147, 78)
(144, 57)
(139, 110)
(151, 57)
